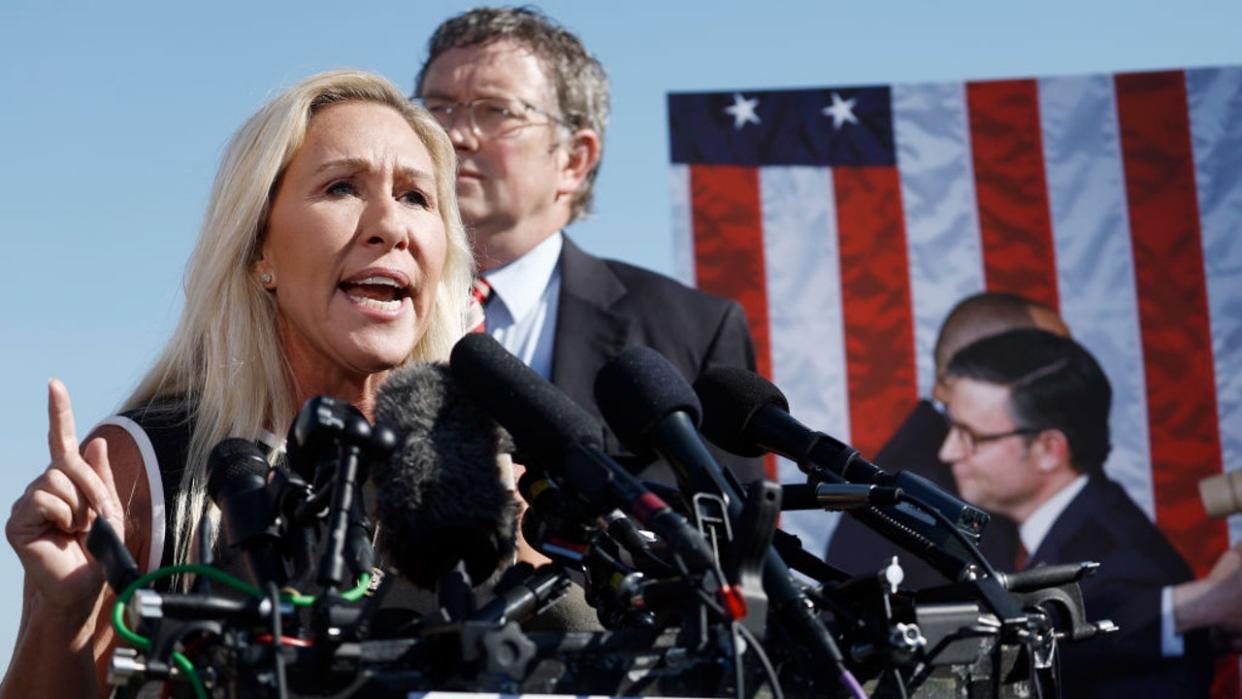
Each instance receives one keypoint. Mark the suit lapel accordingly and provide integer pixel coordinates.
(1067, 526)
(588, 330)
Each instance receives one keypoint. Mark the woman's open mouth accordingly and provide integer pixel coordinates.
(378, 293)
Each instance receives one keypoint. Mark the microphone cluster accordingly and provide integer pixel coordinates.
(695, 584)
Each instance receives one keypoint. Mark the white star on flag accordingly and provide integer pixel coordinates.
(841, 111)
(743, 110)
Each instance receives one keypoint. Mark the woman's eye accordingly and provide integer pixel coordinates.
(416, 198)
(341, 188)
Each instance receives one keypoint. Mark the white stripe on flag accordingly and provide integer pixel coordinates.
(683, 224)
(932, 137)
(1215, 103)
(805, 319)
(1095, 263)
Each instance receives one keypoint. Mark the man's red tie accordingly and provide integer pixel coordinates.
(1019, 557)
(476, 319)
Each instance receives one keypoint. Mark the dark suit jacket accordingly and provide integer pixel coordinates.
(914, 447)
(1136, 561)
(607, 306)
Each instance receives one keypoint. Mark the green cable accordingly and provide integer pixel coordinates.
(143, 643)
(360, 590)
(188, 668)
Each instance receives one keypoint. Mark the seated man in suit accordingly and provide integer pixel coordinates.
(525, 106)
(1028, 434)
(915, 446)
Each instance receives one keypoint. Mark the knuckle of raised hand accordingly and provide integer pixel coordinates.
(14, 511)
(54, 475)
(42, 482)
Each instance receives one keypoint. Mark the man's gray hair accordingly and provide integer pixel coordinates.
(579, 79)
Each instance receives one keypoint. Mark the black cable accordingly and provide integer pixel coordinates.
(768, 670)
(710, 603)
(739, 670)
(278, 658)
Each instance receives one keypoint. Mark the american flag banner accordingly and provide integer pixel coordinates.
(848, 221)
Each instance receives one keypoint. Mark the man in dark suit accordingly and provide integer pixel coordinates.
(525, 106)
(915, 446)
(1028, 435)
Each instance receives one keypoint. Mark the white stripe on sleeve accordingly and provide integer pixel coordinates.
(151, 466)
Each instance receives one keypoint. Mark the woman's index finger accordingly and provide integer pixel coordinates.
(62, 435)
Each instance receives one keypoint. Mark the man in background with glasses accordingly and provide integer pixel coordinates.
(1027, 415)
(525, 106)
(915, 445)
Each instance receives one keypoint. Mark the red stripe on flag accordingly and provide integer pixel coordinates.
(1014, 220)
(1173, 316)
(728, 244)
(875, 300)
(728, 249)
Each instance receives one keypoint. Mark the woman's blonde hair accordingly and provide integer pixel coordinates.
(225, 368)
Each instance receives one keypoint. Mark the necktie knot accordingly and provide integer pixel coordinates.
(481, 290)
(480, 294)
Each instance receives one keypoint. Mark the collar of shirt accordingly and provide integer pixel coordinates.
(520, 284)
(1036, 527)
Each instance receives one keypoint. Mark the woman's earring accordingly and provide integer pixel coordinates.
(267, 279)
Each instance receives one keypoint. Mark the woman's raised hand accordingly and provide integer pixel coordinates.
(49, 522)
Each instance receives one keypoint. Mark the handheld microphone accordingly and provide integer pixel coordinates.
(648, 398)
(836, 496)
(237, 484)
(651, 407)
(552, 431)
(746, 414)
(314, 439)
(440, 499)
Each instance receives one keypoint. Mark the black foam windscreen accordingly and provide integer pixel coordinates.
(637, 389)
(440, 499)
(730, 397)
(234, 464)
(237, 484)
(544, 421)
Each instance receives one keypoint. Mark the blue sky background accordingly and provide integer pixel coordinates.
(113, 117)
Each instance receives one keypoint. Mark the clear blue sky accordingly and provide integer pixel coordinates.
(113, 117)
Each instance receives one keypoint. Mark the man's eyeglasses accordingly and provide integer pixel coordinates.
(971, 440)
(489, 117)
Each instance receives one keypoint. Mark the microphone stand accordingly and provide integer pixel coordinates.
(332, 564)
(455, 593)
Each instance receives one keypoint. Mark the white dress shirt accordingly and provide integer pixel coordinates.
(521, 313)
(1036, 527)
